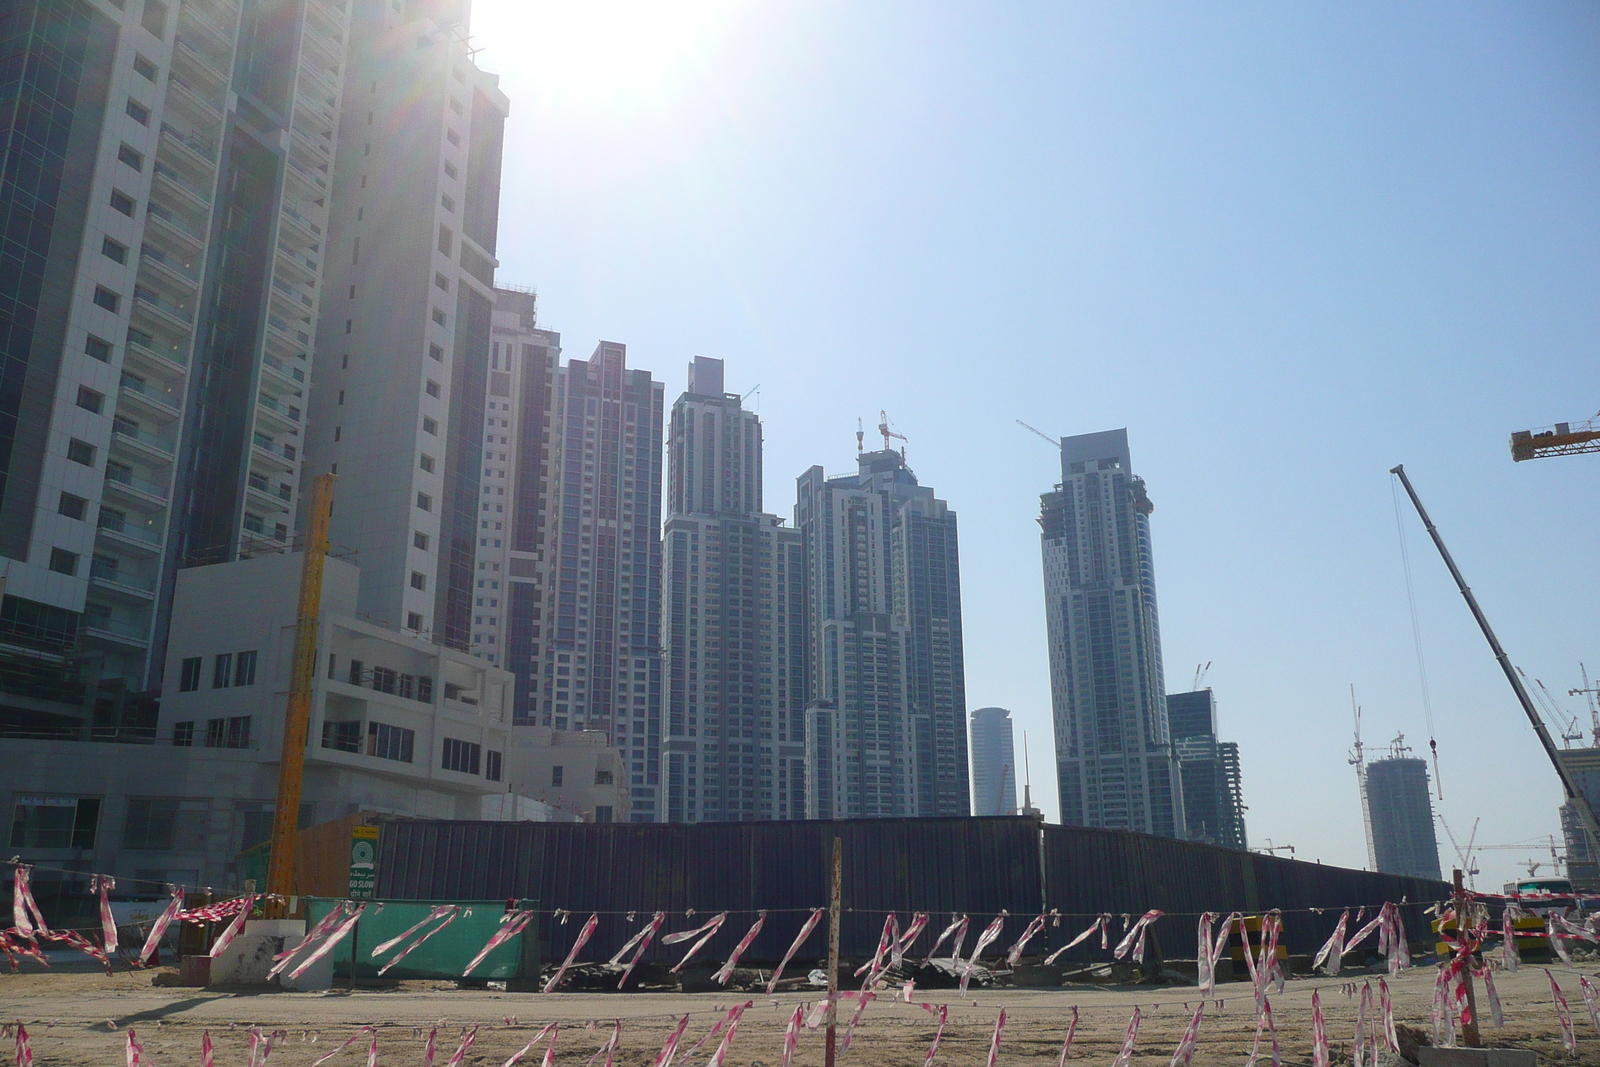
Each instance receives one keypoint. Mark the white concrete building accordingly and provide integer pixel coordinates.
(398, 725)
(165, 214)
(403, 343)
(578, 773)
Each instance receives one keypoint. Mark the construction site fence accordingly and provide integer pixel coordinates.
(944, 866)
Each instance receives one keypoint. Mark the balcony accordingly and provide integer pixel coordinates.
(161, 448)
(283, 368)
(181, 91)
(174, 312)
(310, 227)
(172, 179)
(119, 631)
(167, 359)
(287, 415)
(175, 224)
(204, 62)
(117, 580)
(163, 401)
(126, 482)
(121, 531)
(282, 456)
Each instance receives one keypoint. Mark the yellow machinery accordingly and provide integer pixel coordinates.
(1562, 439)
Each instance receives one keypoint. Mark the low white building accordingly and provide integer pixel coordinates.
(575, 771)
(398, 725)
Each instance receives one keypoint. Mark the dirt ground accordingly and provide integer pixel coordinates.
(79, 1017)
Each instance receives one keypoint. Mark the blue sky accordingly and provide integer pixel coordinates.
(1287, 246)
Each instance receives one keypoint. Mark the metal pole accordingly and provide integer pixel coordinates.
(1574, 794)
(1469, 1027)
(833, 952)
(297, 718)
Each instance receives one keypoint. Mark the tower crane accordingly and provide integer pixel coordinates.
(1562, 439)
(1465, 857)
(883, 428)
(1199, 675)
(1589, 692)
(1358, 760)
(1055, 441)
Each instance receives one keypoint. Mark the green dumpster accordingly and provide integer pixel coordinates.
(444, 955)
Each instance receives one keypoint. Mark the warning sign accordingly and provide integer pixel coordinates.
(363, 861)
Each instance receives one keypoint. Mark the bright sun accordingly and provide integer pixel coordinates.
(600, 51)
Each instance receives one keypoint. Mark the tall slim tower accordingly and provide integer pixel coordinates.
(886, 698)
(994, 763)
(1213, 804)
(162, 199)
(735, 626)
(514, 512)
(404, 340)
(602, 618)
(1401, 808)
(1115, 761)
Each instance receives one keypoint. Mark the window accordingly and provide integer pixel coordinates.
(333, 661)
(438, 316)
(144, 68)
(183, 734)
(160, 823)
(453, 137)
(80, 452)
(228, 733)
(414, 620)
(424, 502)
(222, 670)
(97, 349)
(419, 580)
(450, 170)
(391, 742)
(430, 426)
(448, 202)
(54, 822)
(244, 672)
(107, 299)
(492, 765)
(462, 756)
(190, 679)
(602, 777)
(557, 773)
(89, 400)
(424, 683)
(433, 388)
(602, 813)
(155, 18)
(137, 112)
(73, 507)
(63, 562)
(122, 202)
(441, 281)
(114, 250)
(435, 352)
(355, 672)
(126, 154)
(426, 463)
(446, 240)
(385, 680)
(342, 736)
(419, 540)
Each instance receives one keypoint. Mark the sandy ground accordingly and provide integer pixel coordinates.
(80, 1017)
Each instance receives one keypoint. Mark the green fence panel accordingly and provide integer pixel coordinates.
(445, 955)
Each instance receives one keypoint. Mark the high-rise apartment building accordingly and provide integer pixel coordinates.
(886, 697)
(1583, 859)
(1116, 766)
(602, 616)
(508, 596)
(1213, 801)
(404, 339)
(1400, 806)
(163, 206)
(994, 763)
(735, 619)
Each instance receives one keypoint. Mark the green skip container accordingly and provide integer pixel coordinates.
(445, 955)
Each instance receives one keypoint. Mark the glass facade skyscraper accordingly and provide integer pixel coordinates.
(1115, 762)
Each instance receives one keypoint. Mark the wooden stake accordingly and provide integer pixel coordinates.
(833, 953)
(1469, 1028)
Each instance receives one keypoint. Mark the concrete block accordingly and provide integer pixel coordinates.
(248, 959)
(1428, 1056)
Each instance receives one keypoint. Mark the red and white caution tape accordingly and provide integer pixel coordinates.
(994, 1042)
(158, 929)
(1591, 1002)
(958, 927)
(866, 997)
(1184, 1054)
(1014, 953)
(583, 939)
(1100, 924)
(1125, 1056)
(1386, 1008)
(25, 914)
(705, 932)
(984, 941)
(211, 913)
(24, 1047)
(791, 1036)
(609, 1049)
(641, 939)
(467, 1039)
(1569, 1040)
(207, 1053)
(431, 1048)
(135, 1050)
(725, 972)
(1134, 938)
(873, 967)
(329, 943)
(1319, 1032)
(1332, 952)
(727, 1038)
(437, 913)
(312, 939)
(512, 923)
(800, 938)
(234, 927)
(549, 1052)
(943, 1015)
(1358, 1047)
(902, 945)
(453, 912)
(1264, 1023)
(352, 1039)
(104, 883)
(664, 1057)
(1066, 1046)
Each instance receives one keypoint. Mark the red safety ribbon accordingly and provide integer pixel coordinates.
(805, 932)
(583, 939)
(725, 972)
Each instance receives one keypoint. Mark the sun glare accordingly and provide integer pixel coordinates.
(602, 51)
